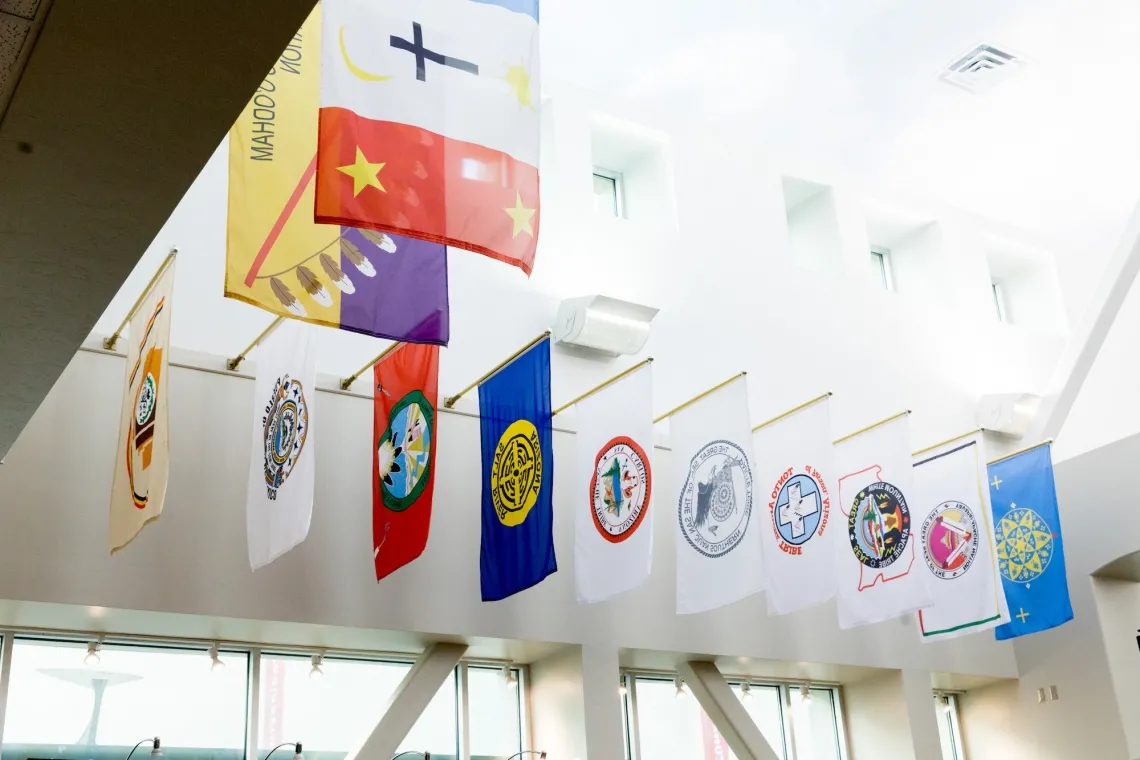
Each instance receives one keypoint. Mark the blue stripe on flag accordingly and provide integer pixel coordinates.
(529, 7)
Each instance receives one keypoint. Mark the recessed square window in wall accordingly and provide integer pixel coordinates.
(905, 248)
(632, 172)
(1024, 286)
(813, 225)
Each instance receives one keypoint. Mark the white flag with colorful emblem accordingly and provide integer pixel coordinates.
(142, 459)
(279, 500)
(795, 464)
(613, 544)
(956, 537)
(879, 563)
(718, 534)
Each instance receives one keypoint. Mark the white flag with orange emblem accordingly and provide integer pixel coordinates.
(142, 459)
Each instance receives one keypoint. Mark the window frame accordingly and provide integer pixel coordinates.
(619, 189)
(953, 723)
(886, 270)
(1000, 307)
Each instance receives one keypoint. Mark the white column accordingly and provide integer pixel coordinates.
(726, 711)
(408, 703)
(600, 681)
(918, 693)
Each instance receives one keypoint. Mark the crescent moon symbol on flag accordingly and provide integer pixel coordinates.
(356, 71)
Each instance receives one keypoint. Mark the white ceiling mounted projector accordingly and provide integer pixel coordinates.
(606, 325)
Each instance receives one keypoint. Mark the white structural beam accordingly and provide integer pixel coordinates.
(601, 675)
(1085, 343)
(408, 703)
(726, 711)
(922, 712)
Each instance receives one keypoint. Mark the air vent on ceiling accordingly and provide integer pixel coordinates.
(982, 68)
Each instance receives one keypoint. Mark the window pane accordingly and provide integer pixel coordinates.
(436, 731)
(60, 707)
(495, 727)
(605, 195)
(947, 730)
(671, 729)
(817, 734)
(879, 265)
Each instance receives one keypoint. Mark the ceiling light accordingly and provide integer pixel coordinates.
(216, 663)
(805, 694)
(297, 752)
(622, 690)
(745, 691)
(156, 750)
(92, 657)
(944, 704)
(315, 672)
(509, 677)
(680, 686)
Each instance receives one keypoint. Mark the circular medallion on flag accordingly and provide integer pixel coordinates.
(716, 501)
(620, 488)
(403, 455)
(286, 425)
(879, 525)
(950, 539)
(147, 400)
(1024, 545)
(516, 473)
(800, 507)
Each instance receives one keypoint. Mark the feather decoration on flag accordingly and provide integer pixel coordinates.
(384, 242)
(358, 259)
(336, 274)
(314, 287)
(286, 297)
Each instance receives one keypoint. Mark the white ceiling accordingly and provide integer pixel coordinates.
(852, 86)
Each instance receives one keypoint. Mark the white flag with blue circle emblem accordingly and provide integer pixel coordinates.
(279, 500)
(795, 466)
(718, 533)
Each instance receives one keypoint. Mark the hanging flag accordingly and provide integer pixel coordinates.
(142, 461)
(718, 538)
(517, 551)
(796, 468)
(429, 123)
(613, 545)
(279, 499)
(279, 260)
(953, 526)
(878, 559)
(1030, 551)
(403, 455)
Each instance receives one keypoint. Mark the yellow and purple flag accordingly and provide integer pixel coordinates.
(278, 259)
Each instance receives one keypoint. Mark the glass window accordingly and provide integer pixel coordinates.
(61, 707)
(881, 266)
(672, 727)
(816, 724)
(999, 301)
(334, 713)
(948, 730)
(495, 713)
(607, 194)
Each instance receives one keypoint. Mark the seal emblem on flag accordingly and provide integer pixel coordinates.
(286, 426)
(879, 525)
(950, 539)
(716, 502)
(800, 507)
(404, 452)
(1024, 545)
(620, 488)
(516, 473)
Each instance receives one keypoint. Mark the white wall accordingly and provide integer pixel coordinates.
(875, 710)
(1118, 611)
(193, 559)
(557, 704)
(993, 724)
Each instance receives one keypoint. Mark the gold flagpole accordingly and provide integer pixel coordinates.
(1011, 455)
(109, 343)
(450, 401)
(602, 385)
(940, 444)
(698, 397)
(235, 362)
(792, 411)
(347, 382)
(860, 431)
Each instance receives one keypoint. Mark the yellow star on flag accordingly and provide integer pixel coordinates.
(363, 173)
(522, 217)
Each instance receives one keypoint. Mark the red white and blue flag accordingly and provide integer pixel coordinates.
(429, 124)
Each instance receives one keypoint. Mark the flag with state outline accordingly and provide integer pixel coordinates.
(429, 123)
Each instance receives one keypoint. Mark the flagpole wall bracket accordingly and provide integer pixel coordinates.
(234, 363)
(347, 382)
(110, 343)
(450, 400)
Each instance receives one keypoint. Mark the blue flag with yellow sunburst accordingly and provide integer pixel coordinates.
(1030, 552)
(518, 476)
